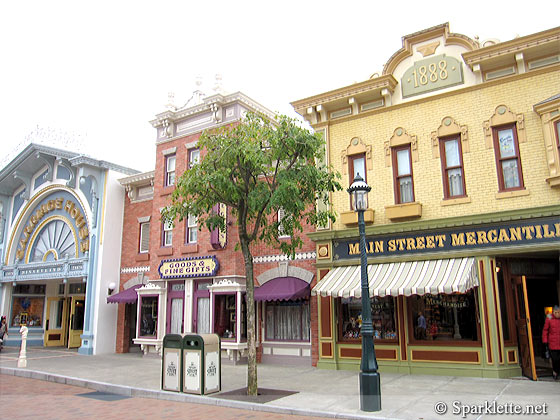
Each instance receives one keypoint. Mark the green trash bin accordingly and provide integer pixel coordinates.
(202, 368)
(171, 363)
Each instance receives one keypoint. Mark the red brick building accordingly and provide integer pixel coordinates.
(181, 279)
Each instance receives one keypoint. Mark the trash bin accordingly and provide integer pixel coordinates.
(171, 367)
(202, 369)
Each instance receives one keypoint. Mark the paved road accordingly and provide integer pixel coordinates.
(23, 398)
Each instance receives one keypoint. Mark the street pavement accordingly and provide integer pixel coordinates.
(309, 391)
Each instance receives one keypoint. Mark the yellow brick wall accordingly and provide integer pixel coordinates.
(470, 107)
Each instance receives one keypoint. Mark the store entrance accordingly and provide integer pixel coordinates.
(536, 287)
(65, 321)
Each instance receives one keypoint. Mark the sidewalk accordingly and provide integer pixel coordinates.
(321, 393)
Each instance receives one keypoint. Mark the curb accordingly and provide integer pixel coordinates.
(177, 397)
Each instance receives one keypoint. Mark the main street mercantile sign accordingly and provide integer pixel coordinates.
(521, 233)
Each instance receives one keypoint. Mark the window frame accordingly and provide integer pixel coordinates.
(190, 153)
(499, 159)
(189, 228)
(281, 215)
(139, 316)
(557, 132)
(164, 234)
(444, 168)
(396, 176)
(168, 173)
(351, 159)
(140, 237)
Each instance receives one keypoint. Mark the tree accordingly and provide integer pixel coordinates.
(257, 167)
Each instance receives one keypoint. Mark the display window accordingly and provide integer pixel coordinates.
(382, 317)
(444, 318)
(148, 316)
(28, 303)
(225, 317)
(287, 321)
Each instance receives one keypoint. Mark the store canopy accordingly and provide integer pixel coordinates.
(405, 278)
(126, 296)
(283, 288)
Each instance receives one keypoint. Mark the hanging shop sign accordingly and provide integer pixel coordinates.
(521, 233)
(188, 267)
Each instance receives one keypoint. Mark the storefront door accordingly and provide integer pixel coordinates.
(56, 326)
(77, 310)
(201, 310)
(175, 308)
(523, 323)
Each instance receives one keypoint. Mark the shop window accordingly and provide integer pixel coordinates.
(28, 301)
(191, 232)
(77, 288)
(144, 237)
(194, 157)
(452, 168)
(287, 321)
(225, 317)
(508, 162)
(170, 170)
(148, 316)
(444, 318)
(402, 175)
(382, 317)
(167, 237)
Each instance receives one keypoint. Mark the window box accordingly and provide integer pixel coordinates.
(162, 252)
(142, 257)
(403, 211)
(189, 249)
(351, 217)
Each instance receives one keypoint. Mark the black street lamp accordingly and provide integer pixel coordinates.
(370, 384)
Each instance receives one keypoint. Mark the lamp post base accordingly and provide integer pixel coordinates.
(370, 391)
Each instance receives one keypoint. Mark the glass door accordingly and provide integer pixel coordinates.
(77, 311)
(203, 315)
(56, 326)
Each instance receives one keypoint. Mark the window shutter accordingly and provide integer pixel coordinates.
(281, 214)
(144, 237)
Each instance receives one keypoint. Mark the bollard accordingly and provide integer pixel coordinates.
(22, 361)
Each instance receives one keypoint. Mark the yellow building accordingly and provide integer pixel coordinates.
(459, 140)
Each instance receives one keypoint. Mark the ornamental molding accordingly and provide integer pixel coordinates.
(210, 103)
(283, 257)
(138, 179)
(142, 269)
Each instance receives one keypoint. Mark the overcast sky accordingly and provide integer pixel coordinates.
(91, 75)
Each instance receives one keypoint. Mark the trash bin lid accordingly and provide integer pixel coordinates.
(172, 341)
(210, 339)
(193, 341)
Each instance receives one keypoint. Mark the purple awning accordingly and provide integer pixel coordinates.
(126, 296)
(283, 288)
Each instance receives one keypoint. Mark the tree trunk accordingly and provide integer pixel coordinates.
(251, 324)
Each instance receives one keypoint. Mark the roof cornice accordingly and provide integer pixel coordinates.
(509, 47)
(387, 82)
(178, 114)
(141, 178)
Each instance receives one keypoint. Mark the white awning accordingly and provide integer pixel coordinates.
(406, 278)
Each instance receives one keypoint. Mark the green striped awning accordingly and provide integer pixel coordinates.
(405, 278)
